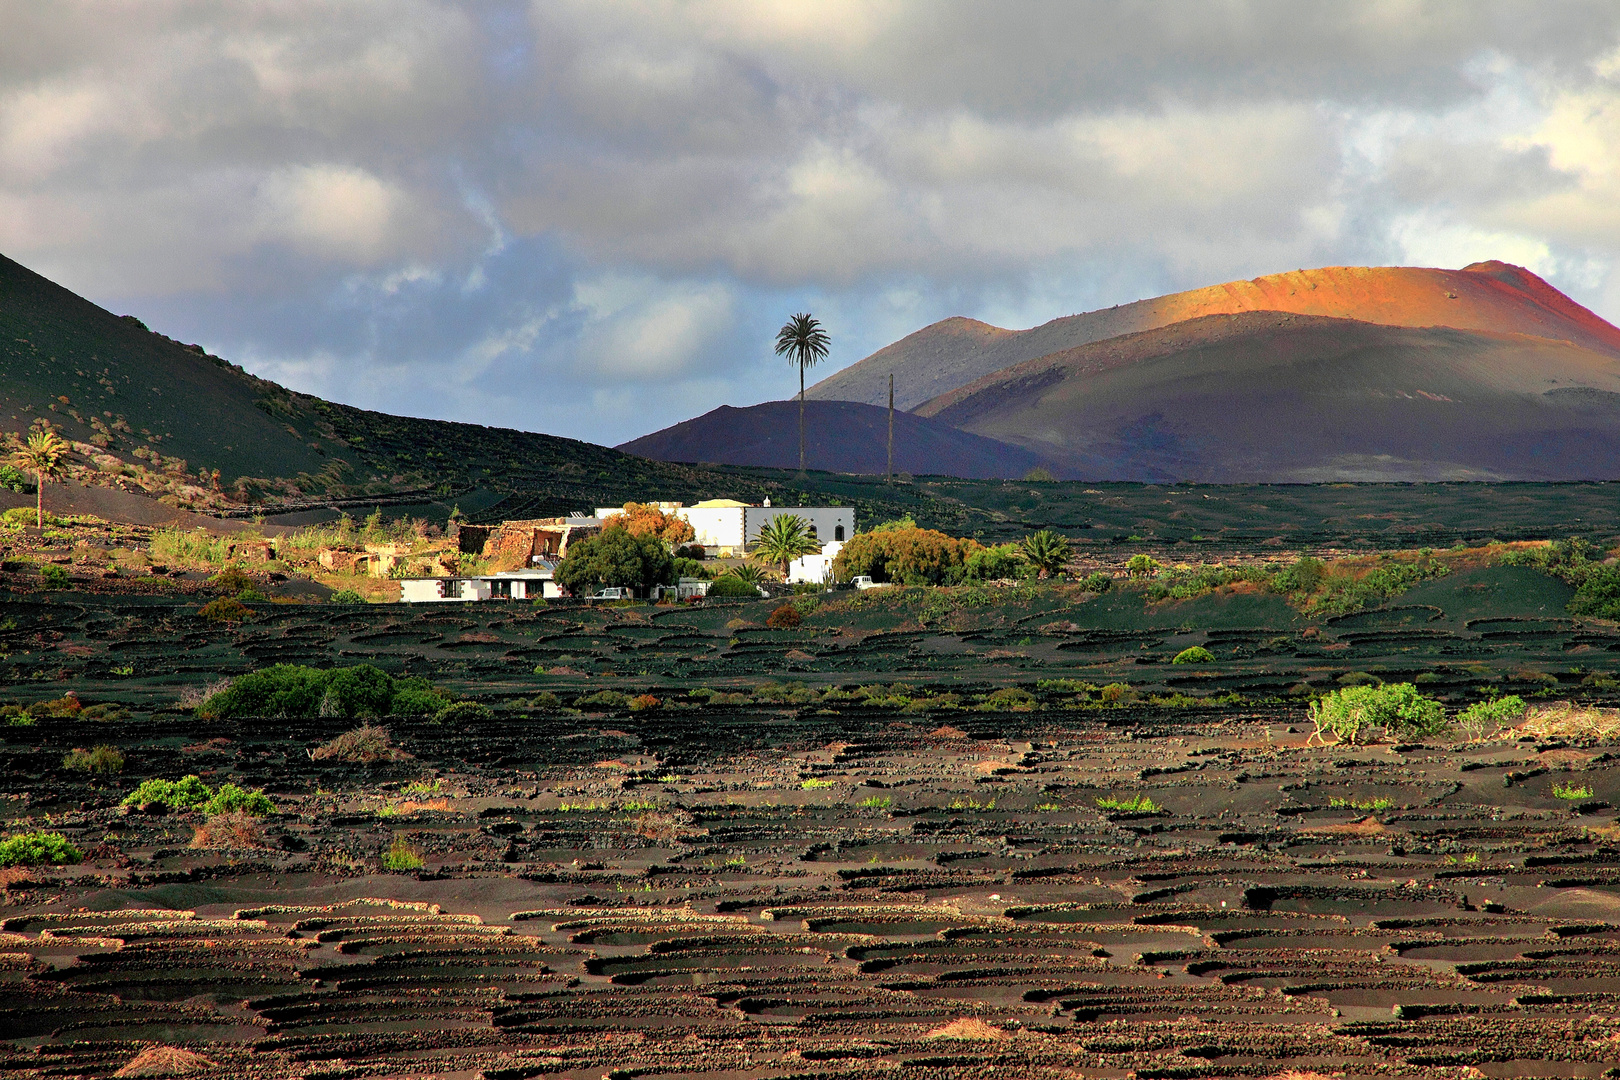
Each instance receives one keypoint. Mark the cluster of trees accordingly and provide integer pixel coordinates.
(903, 553)
(299, 692)
(638, 550)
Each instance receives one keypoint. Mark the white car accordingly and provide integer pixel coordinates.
(864, 582)
(613, 594)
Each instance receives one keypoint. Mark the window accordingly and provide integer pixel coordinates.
(838, 534)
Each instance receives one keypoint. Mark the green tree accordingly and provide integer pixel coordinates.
(614, 558)
(1141, 565)
(42, 456)
(1046, 551)
(804, 343)
(783, 539)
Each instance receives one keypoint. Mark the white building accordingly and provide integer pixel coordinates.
(814, 569)
(506, 585)
(730, 526)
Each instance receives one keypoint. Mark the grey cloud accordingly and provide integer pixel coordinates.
(433, 206)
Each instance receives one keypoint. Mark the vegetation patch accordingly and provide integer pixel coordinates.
(362, 746)
(101, 760)
(39, 849)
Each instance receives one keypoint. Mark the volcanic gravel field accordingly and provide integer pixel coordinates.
(777, 884)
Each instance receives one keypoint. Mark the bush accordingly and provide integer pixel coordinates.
(1097, 582)
(464, 712)
(38, 849)
(730, 585)
(602, 699)
(363, 745)
(230, 799)
(1599, 594)
(416, 697)
(14, 479)
(54, 577)
(187, 793)
(996, 563)
(21, 516)
(302, 693)
(1355, 711)
(1141, 565)
(786, 617)
(1484, 718)
(1195, 655)
(643, 703)
(906, 555)
(400, 856)
(105, 711)
(225, 609)
(345, 596)
(545, 700)
(1302, 578)
(231, 581)
(102, 760)
(65, 707)
(232, 829)
(1009, 697)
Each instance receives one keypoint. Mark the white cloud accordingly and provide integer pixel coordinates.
(410, 202)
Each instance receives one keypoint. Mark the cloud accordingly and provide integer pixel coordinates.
(589, 216)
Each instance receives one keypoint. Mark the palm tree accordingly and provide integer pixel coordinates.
(42, 456)
(803, 342)
(783, 539)
(1046, 551)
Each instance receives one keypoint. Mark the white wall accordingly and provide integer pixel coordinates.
(715, 526)
(826, 519)
(814, 569)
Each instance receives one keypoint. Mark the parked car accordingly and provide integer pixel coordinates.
(614, 593)
(864, 582)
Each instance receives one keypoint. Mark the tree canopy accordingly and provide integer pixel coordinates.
(616, 558)
(783, 539)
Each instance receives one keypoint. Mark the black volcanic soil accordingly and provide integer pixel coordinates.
(788, 884)
(663, 896)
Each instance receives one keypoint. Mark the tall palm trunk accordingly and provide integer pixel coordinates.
(39, 500)
(801, 423)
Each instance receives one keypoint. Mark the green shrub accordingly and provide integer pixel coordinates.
(14, 479)
(1571, 792)
(101, 760)
(1141, 565)
(225, 609)
(1302, 578)
(416, 700)
(232, 799)
(1598, 593)
(460, 713)
(602, 699)
(1197, 654)
(1097, 582)
(187, 793)
(1485, 718)
(231, 581)
(905, 555)
(730, 585)
(546, 701)
(65, 707)
(996, 563)
(1358, 678)
(299, 692)
(1354, 712)
(38, 849)
(401, 856)
(345, 596)
(1136, 804)
(105, 711)
(21, 516)
(1008, 697)
(54, 577)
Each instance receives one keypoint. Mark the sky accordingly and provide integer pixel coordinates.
(590, 218)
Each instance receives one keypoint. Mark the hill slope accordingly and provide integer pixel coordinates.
(156, 417)
(1490, 296)
(840, 436)
(1273, 397)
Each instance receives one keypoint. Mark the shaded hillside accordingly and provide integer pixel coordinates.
(840, 436)
(1490, 296)
(1271, 397)
(156, 417)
